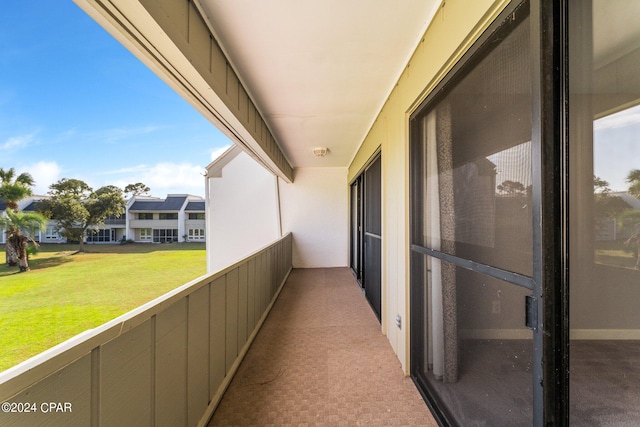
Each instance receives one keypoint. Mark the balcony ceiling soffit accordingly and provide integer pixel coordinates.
(612, 42)
(319, 71)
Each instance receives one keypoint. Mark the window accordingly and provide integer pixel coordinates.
(103, 235)
(199, 215)
(145, 234)
(165, 235)
(196, 234)
(145, 215)
(171, 215)
(112, 219)
(51, 234)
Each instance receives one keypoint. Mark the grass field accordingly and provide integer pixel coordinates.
(614, 253)
(66, 293)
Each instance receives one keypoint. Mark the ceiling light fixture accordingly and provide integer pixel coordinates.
(320, 151)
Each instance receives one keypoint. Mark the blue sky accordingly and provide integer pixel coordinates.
(616, 147)
(74, 103)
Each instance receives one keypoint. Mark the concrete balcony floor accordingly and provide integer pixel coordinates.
(320, 359)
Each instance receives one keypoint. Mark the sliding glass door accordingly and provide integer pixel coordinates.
(525, 222)
(473, 284)
(366, 232)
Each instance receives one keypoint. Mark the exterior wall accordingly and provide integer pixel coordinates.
(182, 230)
(315, 210)
(455, 27)
(242, 214)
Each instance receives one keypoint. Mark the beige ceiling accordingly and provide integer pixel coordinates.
(614, 41)
(319, 71)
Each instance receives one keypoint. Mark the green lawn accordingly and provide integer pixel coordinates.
(614, 253)
(66, 293)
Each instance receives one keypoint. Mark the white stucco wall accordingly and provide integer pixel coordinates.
(315, 209)
(242, 213)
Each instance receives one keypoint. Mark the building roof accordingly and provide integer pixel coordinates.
(629, 199)
(32, 207)
(171, 203)
(195, 206)
(214, 169)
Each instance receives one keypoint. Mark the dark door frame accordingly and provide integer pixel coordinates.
(366, 244)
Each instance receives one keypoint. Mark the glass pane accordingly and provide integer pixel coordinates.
(373, 198)
(355, 228)
(476, 351)
(604, 212)
(475, 157)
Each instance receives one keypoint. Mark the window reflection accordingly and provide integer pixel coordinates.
(475, 150)
(604, 212)
(616, 188)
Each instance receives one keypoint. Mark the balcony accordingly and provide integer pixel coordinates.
(319, 358)
(116, 221)
(153, 223)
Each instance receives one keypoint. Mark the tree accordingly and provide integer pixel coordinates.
(13, 190)
(633, 179)
(511, 187)
(631, 219)
(20, 228)
(76, 208)
(606, 206)
(136, 189)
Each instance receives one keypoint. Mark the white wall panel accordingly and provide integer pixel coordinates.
(315, 210)
(242, 214)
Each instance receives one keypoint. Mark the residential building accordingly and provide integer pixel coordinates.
(386, 125)
(177, 218)
(30, 204)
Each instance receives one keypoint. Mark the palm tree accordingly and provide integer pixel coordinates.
(12, 190)
(633, 179)
(20, 228)
(632, 217)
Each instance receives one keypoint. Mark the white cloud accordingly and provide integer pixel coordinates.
(129, 170)
(164, 178)
(17, 142)
(117, 134)
(44, 174)
(219, 151)
(624, 118)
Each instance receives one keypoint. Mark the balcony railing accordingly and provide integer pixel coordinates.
(116, 221)
(167, 362)
(153, 223)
